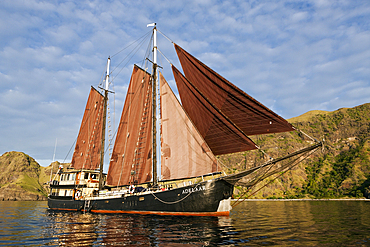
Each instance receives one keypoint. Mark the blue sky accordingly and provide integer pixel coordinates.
(292, 56)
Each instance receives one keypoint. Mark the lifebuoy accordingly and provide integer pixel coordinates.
(77, 195)
(131, 189)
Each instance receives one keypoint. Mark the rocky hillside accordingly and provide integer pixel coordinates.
(22, 178)
(340, 169)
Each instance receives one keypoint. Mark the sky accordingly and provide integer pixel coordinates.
(292, 56)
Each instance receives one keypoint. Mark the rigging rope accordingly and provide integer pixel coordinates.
(140, 41)
(142, 37)
(174, 201)
(289, 168)
(256, 182)
(165, 36)
(164, 56)
(133, 52)
(313, 139)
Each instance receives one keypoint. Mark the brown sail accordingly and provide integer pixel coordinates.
(247, 113)
(184, 153)
(221, 134)
(131, 159)
(88, 144)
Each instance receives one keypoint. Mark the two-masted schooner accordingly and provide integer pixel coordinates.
(214, 117)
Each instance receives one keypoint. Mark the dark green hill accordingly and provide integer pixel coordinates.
(341, 170)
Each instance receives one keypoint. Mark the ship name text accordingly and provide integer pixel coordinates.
(191, 190)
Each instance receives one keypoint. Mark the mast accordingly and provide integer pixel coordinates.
(52, 164)
(103, 129)
(154, 80)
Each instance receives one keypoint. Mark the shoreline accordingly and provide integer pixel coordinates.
(247, 200)
(306, 199)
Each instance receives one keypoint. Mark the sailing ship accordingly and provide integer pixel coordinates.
(214, 118)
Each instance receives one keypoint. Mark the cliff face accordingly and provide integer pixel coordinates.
(22, 178)
(340, 169)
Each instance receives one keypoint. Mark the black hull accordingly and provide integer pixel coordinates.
(198, 199)
(65, 204)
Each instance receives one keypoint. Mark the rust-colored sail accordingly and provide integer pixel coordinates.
(88, 144)
(184, 153)
(220, 133)
(247, 113)
(131, 159)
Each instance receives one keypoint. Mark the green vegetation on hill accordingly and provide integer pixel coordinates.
(341, 170)
(22, 178)
(346, 174)
(306, 116)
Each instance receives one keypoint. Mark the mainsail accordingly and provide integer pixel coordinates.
(88, 144)
(131, 159)
(248, 114)
(213, 118)
(184, 153)
(220, 133)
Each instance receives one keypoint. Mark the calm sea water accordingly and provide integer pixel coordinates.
(252, 223)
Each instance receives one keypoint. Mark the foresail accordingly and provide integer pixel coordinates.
(221, 134)
(184, 153)
(247, 113)
(88, 144)
(131, 159)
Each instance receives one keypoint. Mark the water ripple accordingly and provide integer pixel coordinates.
(252, 223)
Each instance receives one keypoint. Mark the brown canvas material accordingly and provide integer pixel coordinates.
(184, 153)
(131, 161)
(248, 114)
(88, 145)
(220, 133)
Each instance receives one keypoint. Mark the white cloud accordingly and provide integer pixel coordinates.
(292, 56)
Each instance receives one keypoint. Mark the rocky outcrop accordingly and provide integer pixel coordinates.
(15, 192)
(340, 169)
(20, 178)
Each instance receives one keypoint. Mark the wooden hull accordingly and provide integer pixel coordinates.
(206, 198)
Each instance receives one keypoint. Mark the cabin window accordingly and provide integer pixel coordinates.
(93, 176)
(86, 176)
(74, 176)
(62, 177)
(55, 192)
(68, 177)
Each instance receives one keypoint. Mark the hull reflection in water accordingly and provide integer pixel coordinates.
(77, 229)
(283, 223)
(252, 223)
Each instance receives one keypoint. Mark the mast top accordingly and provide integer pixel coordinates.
(107, 76)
